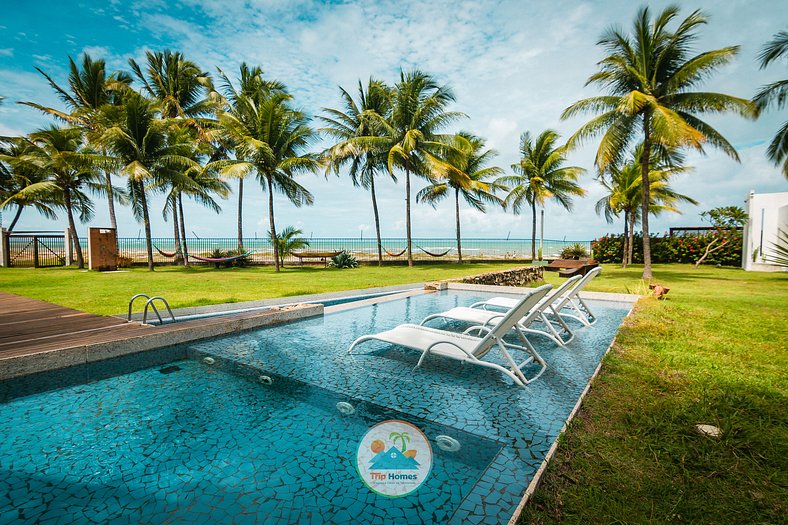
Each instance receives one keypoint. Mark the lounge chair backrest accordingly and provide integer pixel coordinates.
(510, 319)
(586, 279)
(561, 294)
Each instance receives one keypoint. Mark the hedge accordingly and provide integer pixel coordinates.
(683, 249)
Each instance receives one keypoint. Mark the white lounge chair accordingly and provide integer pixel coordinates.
(490, 318)
(467, 348)
(569, 305)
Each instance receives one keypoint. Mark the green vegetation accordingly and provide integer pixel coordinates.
(775, 94)
(714, 353)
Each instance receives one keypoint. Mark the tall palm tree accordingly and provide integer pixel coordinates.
(270, 138)
(17, 175)
(622, 183)
(252, 86)
(468, 175)
(70, 169)
(776, 94)
(142, 144)
(650, 75)
(541, 175)
(418, 114)
(92, 99)
(367, 161)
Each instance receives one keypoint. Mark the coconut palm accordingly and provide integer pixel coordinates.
(70, 168)
(541, 176)
(622, 184)
(403, 437)
(269, 138)
(142, 144)
(92, 99)
(468, 175)
(17, 175)
(252, 85)
(360, 119)
(650, 75)
(776, 94)
(287, 241)
(418, 114)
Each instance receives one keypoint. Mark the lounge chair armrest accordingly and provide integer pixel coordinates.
(458, 347)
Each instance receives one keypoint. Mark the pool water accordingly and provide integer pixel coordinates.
(210, 443)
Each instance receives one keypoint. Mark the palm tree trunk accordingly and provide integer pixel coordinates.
(631, 237)
(183, 231)
(176, 233)
(377, 218)
(645, 167)
(146, 222)
(113, 221)
(19, 209)
(624, 241)
(407, 216)
(271, 224)
(457, 214)
(533, 231)
(73, 227)
(240, 215)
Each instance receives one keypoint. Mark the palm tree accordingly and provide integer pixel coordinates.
(353, 121)
(93, 99)
(624, 193)
(650, 75)
(269, 138)
(287, 241)
(775, 93)
(404, 437)
(468, 176)
(418, 114)
(252, 85)
(143, 146)
(17, 175)
(541, 175)
(71, 169)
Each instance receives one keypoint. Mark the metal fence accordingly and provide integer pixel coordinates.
(35, 249)
(363, 249)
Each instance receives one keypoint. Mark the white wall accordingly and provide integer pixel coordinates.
(768, 213)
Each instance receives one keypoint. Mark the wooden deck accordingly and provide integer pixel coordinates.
(30, 326)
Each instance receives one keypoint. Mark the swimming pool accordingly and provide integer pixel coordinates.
(206, 443)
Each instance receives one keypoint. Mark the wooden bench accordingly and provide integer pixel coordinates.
(321, 256)
(571, 267)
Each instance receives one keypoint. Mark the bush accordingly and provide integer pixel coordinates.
(343, 260)
(574, 251)
(683, 249)
(124, 262)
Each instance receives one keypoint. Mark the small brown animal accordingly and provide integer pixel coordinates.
(659, 290)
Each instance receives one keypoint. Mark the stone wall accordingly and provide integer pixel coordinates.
(515, 277)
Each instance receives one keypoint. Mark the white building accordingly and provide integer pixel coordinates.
(768, 213)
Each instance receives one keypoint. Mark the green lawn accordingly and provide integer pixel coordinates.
(713, 352)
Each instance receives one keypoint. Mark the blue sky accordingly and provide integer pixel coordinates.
(514, 67)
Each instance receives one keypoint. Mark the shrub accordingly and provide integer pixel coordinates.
(574, 251)
(343, 260)
(124, 262)
(683, 249)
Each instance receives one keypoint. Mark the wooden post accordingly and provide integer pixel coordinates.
(5, 249)
(69, 247)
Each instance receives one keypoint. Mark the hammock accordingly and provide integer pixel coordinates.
(433, 254)
(218, 259)
(165, 254)
(321, 255)
(392, 254)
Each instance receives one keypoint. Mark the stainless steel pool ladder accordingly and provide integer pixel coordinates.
(150, 303)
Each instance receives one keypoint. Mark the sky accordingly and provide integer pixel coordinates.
(513, 65)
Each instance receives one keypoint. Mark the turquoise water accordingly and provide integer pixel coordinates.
(204, 444)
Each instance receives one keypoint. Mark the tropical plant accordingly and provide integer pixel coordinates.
(726, 221)
(414, 144)
(574, 251)
(92, 98)
(17, 175)
(775, 94)
(624, 194)
(287, 241)
(343, 260)
(142, 144)
(269, 138)
(778, 254)
(650, 75)
(367, 160)
(540, 176)
(466, 174)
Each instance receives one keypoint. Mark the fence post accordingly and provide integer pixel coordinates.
(69, 247)
(5, 248)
